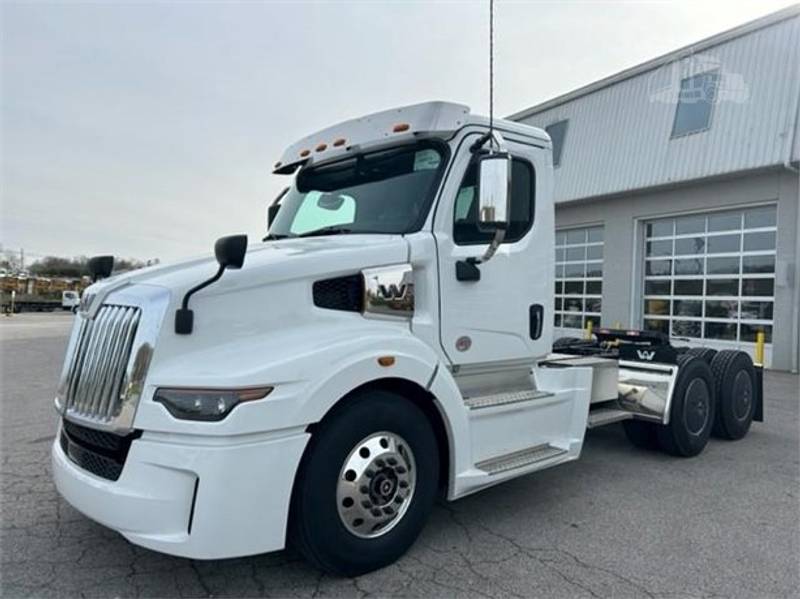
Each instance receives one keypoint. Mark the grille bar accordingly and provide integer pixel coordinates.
(96, 374)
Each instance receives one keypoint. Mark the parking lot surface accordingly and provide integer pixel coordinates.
(619, 522)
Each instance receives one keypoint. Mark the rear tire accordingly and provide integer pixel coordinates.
(338, 521)
(691, 414)
(735, 386)
(643, 435)
(706, 353)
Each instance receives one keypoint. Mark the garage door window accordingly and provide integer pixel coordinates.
(711, 276)
(579, 277)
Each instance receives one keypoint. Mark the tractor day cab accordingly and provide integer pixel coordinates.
(388, 343)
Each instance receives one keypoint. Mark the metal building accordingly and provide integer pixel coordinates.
(676, 184)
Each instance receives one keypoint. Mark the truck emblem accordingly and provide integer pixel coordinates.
(392, 291)
(645, 354)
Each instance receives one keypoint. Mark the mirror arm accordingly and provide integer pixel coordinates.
(499, 236)
(184, 317)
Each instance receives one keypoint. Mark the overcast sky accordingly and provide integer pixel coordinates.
(147, 129)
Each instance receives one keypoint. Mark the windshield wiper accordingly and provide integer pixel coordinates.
(330, 230)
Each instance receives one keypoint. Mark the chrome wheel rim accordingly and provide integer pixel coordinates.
(376, 485)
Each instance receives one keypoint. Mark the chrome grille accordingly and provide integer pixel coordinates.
(94, 385)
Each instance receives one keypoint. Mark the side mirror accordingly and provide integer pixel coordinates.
(494, 191)
(100, 267)
(230, 251)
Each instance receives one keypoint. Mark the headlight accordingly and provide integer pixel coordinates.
(206, 404)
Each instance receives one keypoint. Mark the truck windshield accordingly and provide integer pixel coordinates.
(388, 191)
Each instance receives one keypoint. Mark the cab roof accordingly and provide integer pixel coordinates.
(394, 125)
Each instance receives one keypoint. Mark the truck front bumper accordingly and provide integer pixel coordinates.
(196, 497)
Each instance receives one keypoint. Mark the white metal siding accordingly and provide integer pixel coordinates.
(618, 137)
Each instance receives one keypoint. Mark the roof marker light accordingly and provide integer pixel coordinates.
(339, 142)
(278, 164)
(305, 153)
(321, 147)
(400, 127)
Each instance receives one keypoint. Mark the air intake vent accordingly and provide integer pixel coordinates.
(341, 293)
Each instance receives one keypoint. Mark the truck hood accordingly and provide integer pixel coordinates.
(266, 264)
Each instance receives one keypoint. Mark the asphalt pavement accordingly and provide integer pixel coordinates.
(620, 522)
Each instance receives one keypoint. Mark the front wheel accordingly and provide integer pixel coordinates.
(366, 485)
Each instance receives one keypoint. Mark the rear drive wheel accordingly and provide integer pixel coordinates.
(706, 353)
(691, 414)
(735, 380)
(366, 485)
(643, 435)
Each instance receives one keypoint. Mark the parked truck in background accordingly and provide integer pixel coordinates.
(389, 342)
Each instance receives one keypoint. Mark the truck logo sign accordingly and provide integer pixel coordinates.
(645, 354)
(392, 291)
(389, 290)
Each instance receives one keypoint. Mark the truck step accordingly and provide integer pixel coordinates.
(605, 416)
(481, 402)
(519, 459)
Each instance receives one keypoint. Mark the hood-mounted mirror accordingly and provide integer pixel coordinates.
(100, 267)
(230, 252)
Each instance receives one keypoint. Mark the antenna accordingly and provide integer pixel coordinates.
(491, 73)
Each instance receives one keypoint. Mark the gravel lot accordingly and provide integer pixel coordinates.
(619, 522)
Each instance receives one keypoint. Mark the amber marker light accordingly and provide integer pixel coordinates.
(339, 142)
(305, 153)
(386, 361)
(322, 147)
(400, 127)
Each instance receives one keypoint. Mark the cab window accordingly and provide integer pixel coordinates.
(465, 217)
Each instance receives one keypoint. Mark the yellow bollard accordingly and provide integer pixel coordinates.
(760, 348)
(588, 334)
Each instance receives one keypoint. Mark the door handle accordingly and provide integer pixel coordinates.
(536, 320)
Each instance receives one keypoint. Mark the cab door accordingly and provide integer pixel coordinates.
(506, 315)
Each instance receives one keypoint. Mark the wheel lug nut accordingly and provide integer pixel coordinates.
(403, 484)
(398, 499)
(376, 512)
(366, 503)
(388, 511)
(391, 461)
(401, 469)
(369, 473)
(364, 489)
(379, 463)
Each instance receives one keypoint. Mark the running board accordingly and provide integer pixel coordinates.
(519, 459)
(605, 416)
(481, 402)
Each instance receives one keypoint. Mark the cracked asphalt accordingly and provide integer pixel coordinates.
(618, 523)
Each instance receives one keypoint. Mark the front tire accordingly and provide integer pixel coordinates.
(366, 485)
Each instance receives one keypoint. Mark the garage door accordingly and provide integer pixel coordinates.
(711, 277)
(579, 279)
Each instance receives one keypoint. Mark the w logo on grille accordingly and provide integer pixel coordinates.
(646, 354)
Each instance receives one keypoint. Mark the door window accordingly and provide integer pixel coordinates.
(465, 215)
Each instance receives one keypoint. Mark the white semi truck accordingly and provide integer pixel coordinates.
(388, 343)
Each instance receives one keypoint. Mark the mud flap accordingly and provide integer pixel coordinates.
(758, 416)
